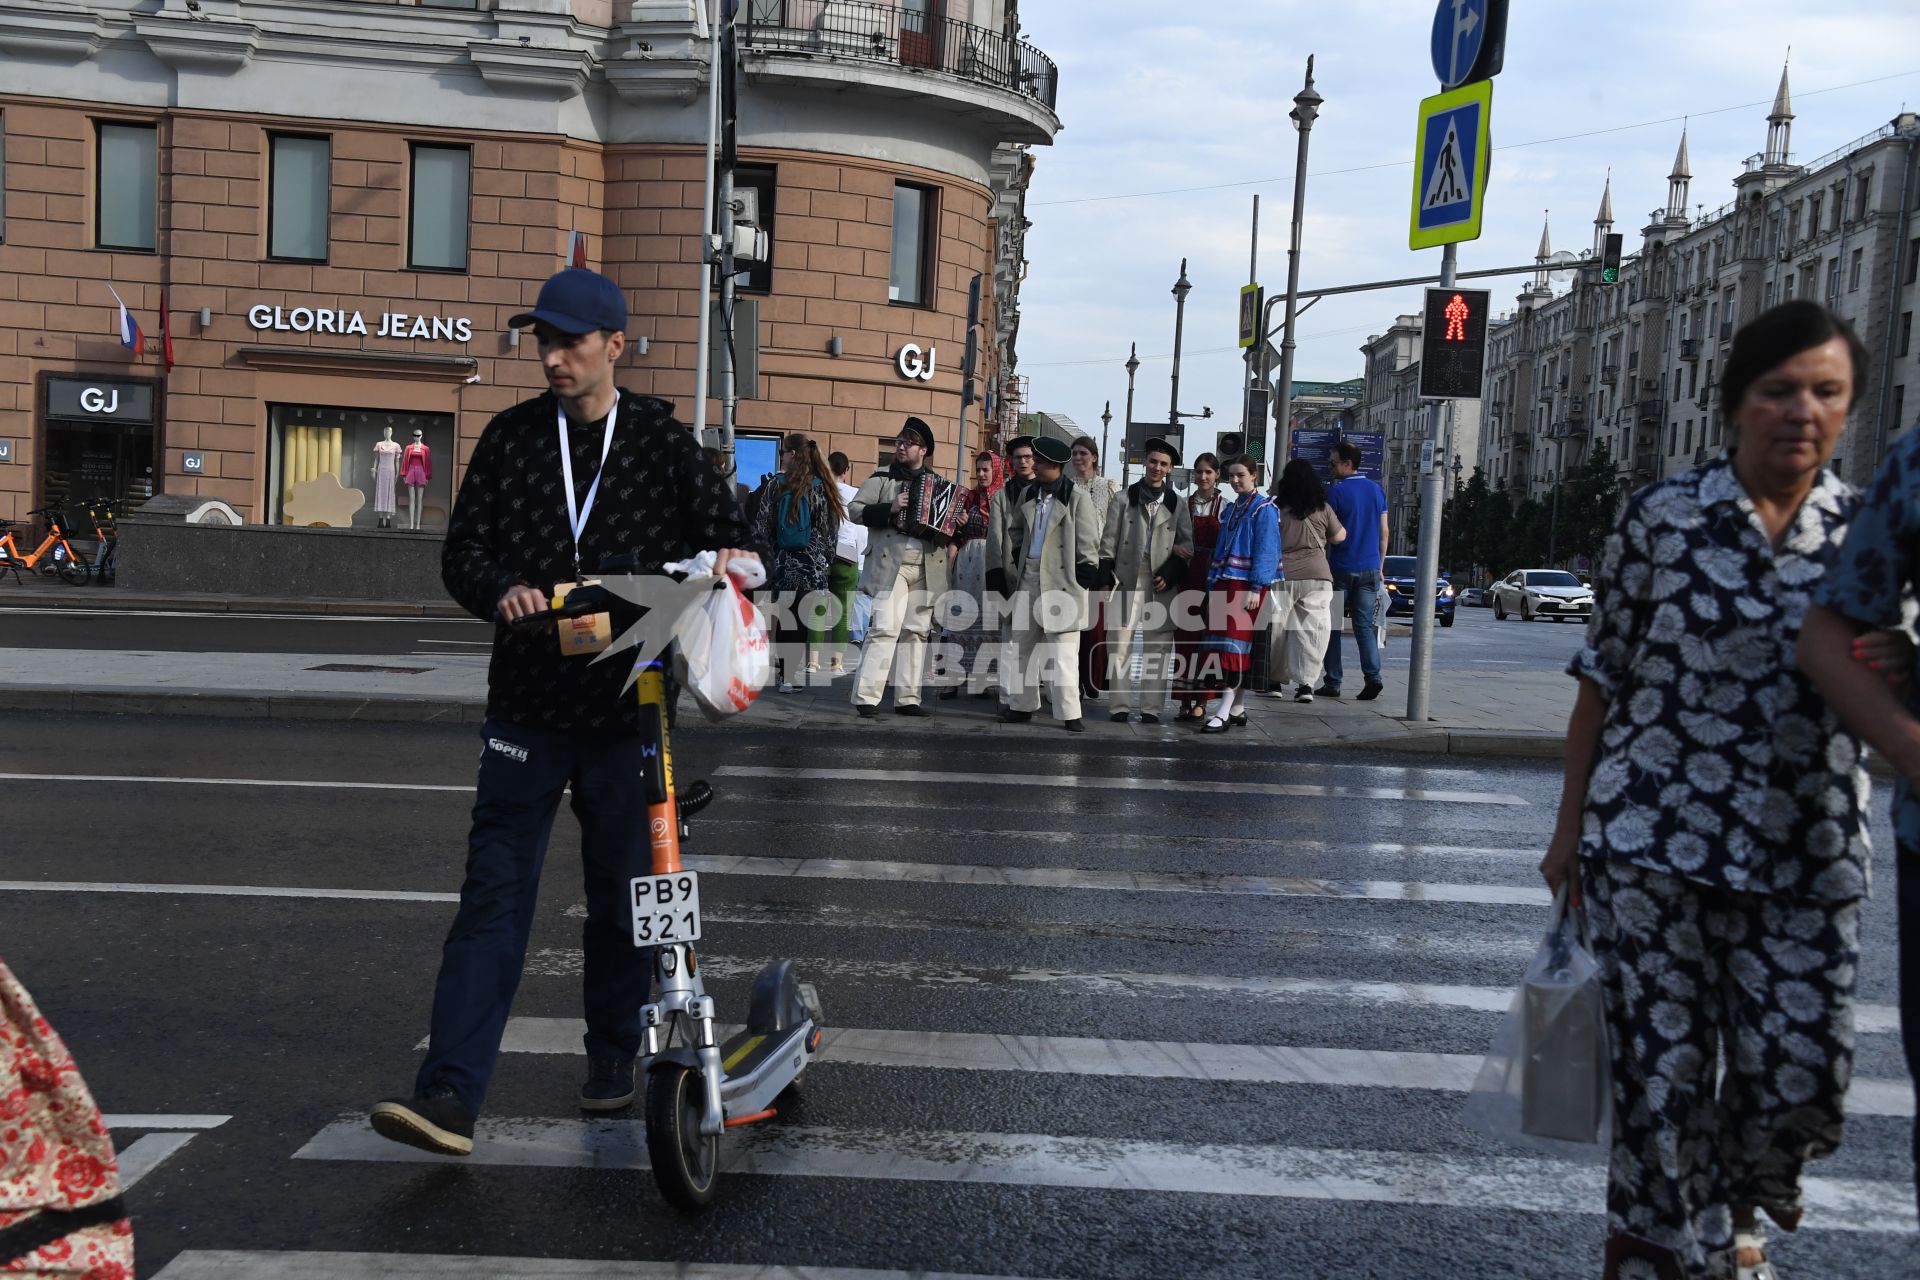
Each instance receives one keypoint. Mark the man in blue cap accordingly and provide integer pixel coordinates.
(557, 485)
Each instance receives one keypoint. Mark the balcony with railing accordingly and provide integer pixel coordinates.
(900, 40)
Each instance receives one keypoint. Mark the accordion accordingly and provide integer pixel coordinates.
(933, 507)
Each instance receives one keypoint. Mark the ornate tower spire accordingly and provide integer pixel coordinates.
(1678, 181)
(1603, 221)
(1542, 255)
(1780, 123)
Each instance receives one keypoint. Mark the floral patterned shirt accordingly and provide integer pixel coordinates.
(1876, 582)
(1719, 762)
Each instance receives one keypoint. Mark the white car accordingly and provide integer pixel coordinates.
(1542, 593)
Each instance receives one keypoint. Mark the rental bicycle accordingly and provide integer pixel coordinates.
(54, 556)
(698, 1086)
(104, 514)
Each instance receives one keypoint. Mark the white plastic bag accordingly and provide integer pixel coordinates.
(726, 651)
(1546, 1086)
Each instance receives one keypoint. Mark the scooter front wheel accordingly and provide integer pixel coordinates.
(686, 1162)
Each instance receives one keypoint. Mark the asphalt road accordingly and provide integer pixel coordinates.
(1475, 643)
(1105, 962)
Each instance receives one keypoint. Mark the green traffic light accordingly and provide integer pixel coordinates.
(1610, 275)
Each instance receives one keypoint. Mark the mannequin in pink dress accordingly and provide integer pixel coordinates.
(416, 468)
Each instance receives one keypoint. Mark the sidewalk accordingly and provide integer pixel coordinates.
(1498, 713)
(39, 592)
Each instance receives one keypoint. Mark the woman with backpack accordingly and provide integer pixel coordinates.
(798, 522)
(1303, 603)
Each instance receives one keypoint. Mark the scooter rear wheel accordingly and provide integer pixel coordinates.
(686, 1162)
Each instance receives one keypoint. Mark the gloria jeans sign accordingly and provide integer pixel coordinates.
(100, 399)
(390, 324)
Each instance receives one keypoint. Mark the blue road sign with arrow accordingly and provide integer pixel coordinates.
(1450, 178)
(1469, 40)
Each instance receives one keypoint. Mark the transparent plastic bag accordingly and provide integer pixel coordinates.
(1547, 1086)
(726, 652)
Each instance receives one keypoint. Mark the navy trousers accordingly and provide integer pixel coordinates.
(523, 773)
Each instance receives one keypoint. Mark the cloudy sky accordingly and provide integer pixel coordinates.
(1155, 101)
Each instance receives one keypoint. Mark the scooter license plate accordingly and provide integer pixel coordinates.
(666, 909)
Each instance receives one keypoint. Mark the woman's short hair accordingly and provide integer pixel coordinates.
(1243, 460)
(1087, 443)
(1208, 460)
(1776, 336)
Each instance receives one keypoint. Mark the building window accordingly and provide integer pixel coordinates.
(298, 194)
(3, 177)
(128, 184)
(1787, 293)
(1813, 215)
(440, 208)
(1913, 261)
(1862, 189)
(755, 187)
(1833, 277)
(914, 224)
(1793, 224)
(306, 442)
(1906, 330)
(1899, 406)
(1853, 271)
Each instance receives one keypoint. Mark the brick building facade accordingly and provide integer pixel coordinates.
(341, 231)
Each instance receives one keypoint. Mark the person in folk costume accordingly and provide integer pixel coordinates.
(799, 522)
(1192, 687)
(1246, 562)
(1058, 540)
(970, 565)
(1085, 470)
(905, 573)
(60, 1209)
(1002, 551)
(1144, 552)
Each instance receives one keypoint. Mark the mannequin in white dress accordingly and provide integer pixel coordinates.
(386, 470)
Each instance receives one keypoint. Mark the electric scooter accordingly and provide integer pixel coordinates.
(698, 1086)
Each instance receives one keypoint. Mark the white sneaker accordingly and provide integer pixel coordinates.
(786, 687)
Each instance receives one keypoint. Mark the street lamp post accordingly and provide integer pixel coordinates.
(1181, 288)
(1306, 107)
(1106, 436)
(1133, 367)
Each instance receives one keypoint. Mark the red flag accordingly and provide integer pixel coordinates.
(166, 334)
(576, 249)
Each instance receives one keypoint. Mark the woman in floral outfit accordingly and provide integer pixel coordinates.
(1714, 814)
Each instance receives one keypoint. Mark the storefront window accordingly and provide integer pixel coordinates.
(99, 443)
(308, 442)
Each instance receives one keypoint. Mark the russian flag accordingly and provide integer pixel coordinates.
(130, 337)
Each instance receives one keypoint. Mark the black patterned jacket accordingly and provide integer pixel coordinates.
(659, 499)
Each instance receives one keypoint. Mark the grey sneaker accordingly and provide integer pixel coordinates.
(609, 1085)
(432, 1121)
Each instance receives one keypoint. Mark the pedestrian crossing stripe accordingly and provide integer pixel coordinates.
(1145, 1059)
(1478, 1183)
(147, 1153)
(254, 1265)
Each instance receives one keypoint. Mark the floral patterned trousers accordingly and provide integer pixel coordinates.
(1691, 972)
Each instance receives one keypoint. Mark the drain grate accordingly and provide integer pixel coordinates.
(370, 667)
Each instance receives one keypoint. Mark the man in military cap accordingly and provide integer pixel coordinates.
(1056, 539)
(1001, 551)
(905, 572)
(1144, 553)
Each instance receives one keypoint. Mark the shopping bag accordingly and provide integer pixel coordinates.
(862, 617)
(1546, 1085)
(726, 651)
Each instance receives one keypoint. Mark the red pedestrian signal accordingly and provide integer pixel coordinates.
(1453, 344)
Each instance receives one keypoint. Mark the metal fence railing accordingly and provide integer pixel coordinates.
(905, 34)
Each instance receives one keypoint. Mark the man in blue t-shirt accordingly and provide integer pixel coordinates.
(1362, 507)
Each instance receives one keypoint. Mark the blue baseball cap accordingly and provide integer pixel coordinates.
(577, 301)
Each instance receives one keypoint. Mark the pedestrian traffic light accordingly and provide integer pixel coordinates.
(1232, 445)
(1453, 344)
(1610, 260)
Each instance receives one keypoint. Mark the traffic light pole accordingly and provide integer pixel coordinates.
(1427, 581)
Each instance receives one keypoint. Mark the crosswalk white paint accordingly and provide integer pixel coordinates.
(556, 962)
(250, 1265)
(145, 1154)
(1070, 782)
(223, 890)
(307, 784)
(1148, 1059)
(1478, 1183)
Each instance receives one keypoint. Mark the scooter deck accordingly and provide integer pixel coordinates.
(742, 1053)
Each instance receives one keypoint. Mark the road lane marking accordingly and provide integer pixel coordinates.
(466, 788)
(390, 619)
(1148, 1060)
(1314, 790)
(147, 1154)
(1479, 1183)
(117, 1121)
(224, 890)
(557, 962)
(223, 1264)
(924, 873)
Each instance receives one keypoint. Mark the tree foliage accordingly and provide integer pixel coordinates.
(1488, 532)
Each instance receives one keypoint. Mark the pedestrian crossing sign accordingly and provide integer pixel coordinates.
(1450, 178)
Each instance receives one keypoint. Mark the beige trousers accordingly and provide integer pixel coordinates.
(896, 646)
(1302, 625)
(1127, 615)
(1044, 657)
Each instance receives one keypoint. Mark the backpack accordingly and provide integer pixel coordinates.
(793, 530)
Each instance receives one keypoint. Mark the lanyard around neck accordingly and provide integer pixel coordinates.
(577, 511)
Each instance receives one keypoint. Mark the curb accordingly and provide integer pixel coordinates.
(77, 598)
